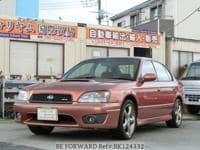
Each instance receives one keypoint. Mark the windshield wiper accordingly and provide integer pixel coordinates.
(120, 78)
(89, 77)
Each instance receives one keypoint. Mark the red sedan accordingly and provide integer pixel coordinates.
(105, 93)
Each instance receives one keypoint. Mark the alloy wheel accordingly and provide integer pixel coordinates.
(129, 120)
(178, 113)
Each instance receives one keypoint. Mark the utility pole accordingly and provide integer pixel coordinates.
(158, 17)
(99, 12)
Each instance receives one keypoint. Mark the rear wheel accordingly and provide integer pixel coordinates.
(192, 109)
(41, 130)
(127, 121)
(176, 115)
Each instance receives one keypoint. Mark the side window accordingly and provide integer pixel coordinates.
(162, 73)
(147, 68)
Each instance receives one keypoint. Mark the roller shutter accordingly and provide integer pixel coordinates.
(22, 58)
(95, 52)
(114, 52)
(50, 59)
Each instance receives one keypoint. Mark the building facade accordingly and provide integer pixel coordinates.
(47, 48)
(179, 19)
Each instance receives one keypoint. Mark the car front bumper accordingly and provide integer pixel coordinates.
(70, 115)
(192, 97)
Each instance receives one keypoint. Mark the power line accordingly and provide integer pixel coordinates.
(188, 16)
(89, 3)
(180, 22)
(61, 5)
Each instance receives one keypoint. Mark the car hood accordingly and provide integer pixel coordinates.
(191, 84)
(78, 87)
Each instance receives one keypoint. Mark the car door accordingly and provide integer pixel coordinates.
(167, 89)
(148, 93)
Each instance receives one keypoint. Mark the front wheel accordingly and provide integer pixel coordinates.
(176, 120)
(41, 130)
(127, 121)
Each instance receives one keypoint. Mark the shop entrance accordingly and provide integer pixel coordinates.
(143, 52)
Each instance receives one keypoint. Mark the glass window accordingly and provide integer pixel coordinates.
(162, 73)
(83, 71)
(153, 13)
(100, 69)
(122, 24)
(147, 68)
(127, 70)
(109, 68)
(193, 72)
(135, 20)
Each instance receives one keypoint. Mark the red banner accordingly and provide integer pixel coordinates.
(24, 28)
(145, 39)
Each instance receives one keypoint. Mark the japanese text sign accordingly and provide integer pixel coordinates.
(135, 38)
(25, 28)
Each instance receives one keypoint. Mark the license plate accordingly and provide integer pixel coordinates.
(47, 114)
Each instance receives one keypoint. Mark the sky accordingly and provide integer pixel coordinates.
(79, 11)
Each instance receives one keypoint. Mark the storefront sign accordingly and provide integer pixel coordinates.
(26, 28)
(111, 37)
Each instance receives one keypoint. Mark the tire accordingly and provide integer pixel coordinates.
(192, 110)
(177, 114)
(41, 130)
(127, 121)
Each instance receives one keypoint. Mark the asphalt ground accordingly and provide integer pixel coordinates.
(157, 136)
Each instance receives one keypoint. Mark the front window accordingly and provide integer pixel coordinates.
(123, 69)
(135, 20)
(122, 24)
(193, 72)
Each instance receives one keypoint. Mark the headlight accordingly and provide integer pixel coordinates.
(95, 97)
(23, 96)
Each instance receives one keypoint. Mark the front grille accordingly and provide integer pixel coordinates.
(193, 98)
(51, 98)
(62, 119)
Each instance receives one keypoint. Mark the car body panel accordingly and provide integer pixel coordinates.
(154, 101)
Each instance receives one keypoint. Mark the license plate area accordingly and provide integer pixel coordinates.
(47, 114)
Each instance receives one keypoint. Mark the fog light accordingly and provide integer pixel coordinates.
(92, 119)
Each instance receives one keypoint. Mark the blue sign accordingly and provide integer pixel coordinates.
(27, 8)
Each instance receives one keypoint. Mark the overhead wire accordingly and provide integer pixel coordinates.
(67, 5)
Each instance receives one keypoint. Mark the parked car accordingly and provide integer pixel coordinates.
(104, 93)
(191, 83)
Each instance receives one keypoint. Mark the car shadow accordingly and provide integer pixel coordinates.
(100, 135)
(190, 117)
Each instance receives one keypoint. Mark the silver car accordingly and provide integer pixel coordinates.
(191, 82)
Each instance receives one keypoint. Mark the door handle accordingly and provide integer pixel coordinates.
(158, 90)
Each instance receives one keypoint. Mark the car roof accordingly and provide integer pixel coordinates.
(103, 58)
(197, 61)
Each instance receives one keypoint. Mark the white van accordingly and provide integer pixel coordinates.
(191, 82)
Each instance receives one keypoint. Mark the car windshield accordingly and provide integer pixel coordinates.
(192, 73)
(111, 68)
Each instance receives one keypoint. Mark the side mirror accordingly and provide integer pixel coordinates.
(58, 77)
(148, 77)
